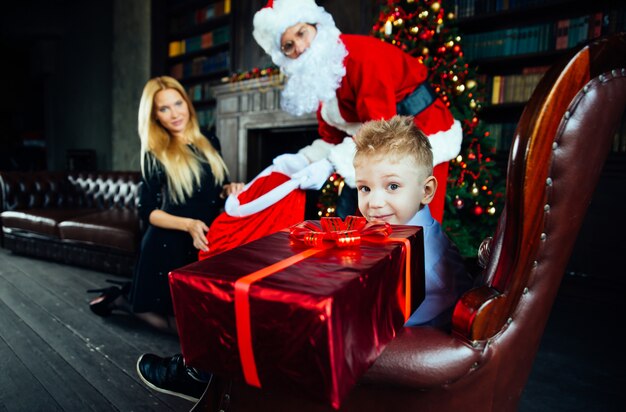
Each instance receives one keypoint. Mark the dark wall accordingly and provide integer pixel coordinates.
(57, 59)
(57, 65)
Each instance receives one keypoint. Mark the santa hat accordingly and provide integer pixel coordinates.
(271, 22)
(248, 216)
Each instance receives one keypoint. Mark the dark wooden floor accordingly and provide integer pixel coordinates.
(55, 355)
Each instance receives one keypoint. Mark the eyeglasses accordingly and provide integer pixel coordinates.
(289, 47)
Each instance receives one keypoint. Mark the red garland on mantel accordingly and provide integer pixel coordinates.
(255, 73)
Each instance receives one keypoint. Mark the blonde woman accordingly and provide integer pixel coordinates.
(184, 183)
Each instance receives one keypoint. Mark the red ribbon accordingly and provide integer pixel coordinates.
(334, 232)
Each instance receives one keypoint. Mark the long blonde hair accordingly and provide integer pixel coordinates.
(182, 166)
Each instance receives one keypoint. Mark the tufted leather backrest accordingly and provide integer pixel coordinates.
(26, 190)
(107, 190)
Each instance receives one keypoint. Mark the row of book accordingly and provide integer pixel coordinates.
(206, 117)
(220, 35)
(200, 92)
(201, 66)
(469, 8)
(199, 16)
(502, 135)
(570, 32)
(561, 34)
(515, 88)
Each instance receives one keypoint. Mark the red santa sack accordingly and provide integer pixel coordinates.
(271, 202)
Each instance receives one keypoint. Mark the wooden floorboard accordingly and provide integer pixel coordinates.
(72, 358)
(38, 359)
(14, 377)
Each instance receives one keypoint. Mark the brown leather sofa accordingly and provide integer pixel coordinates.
(86, 219)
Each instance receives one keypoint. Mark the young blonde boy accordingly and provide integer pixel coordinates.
(394, 165)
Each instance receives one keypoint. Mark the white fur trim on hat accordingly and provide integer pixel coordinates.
(317, 150)
(446, 144)
(271, 22)
(342, 157)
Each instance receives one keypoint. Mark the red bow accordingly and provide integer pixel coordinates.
(344, 234)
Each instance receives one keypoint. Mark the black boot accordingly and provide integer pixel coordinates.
(171, 376)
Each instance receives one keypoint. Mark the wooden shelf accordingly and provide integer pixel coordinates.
(501, 112)
(215, 76)
(185, 22)
(200, 28)
(182, 6)
(505, 19)
(514, 63)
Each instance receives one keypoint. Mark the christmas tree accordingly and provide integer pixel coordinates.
(424, 29)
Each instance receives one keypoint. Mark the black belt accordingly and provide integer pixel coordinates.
(413, 104)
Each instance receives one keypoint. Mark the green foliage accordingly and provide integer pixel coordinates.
(474, 190)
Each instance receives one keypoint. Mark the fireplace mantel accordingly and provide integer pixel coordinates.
(246, 105)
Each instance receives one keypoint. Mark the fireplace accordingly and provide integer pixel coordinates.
(265, 144)
(253, 129)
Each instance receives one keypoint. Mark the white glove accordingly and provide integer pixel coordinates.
(314, 175)
(341, 157)
(290, 163)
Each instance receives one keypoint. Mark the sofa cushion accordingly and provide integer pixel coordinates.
(114, 228)
(40, 221)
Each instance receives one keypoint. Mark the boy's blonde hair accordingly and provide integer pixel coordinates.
(182, 166)
(393, 139)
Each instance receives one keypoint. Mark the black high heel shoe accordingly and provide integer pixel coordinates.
(124, 285)
(101, 305)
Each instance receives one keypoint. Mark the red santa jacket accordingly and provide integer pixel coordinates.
(378, 76)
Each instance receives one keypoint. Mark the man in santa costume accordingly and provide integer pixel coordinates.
(348, 80)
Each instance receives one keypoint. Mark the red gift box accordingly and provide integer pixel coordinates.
(299, 314)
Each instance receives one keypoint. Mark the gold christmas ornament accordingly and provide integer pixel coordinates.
(425, 51)
(435, 6)
(470, 84)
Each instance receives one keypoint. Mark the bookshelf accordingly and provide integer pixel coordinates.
(193, 42)
(513, 43)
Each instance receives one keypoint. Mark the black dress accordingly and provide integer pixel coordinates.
(163, 250)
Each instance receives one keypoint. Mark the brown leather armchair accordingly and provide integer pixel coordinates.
(559, 148)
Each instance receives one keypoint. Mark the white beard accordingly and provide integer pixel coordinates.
(316, 74)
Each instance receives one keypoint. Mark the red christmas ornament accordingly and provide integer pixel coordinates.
(477, 210)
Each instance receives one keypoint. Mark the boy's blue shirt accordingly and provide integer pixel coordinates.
(446, 276)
